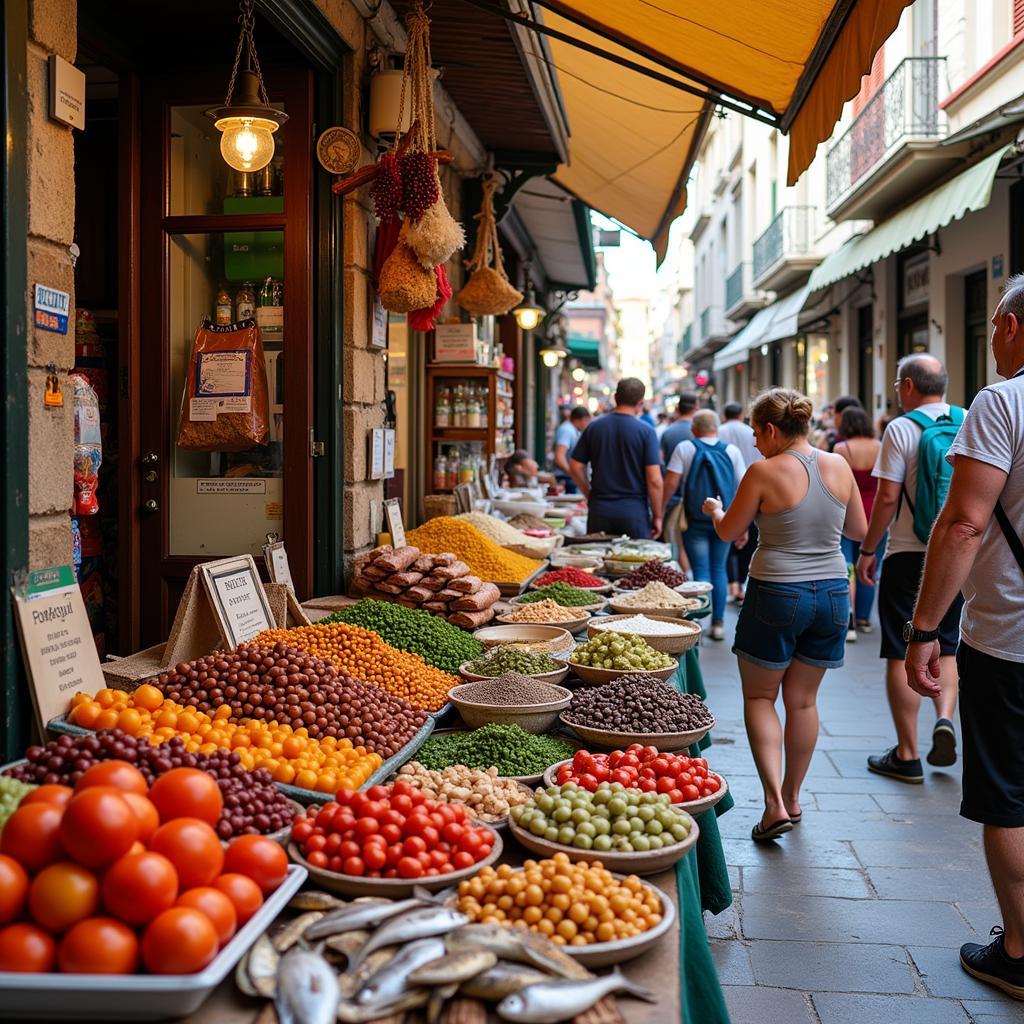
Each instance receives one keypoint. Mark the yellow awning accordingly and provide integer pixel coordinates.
(633, 136)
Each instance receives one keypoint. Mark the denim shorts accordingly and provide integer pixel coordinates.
(783, 621)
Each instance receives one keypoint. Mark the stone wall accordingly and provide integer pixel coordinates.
(51, 228)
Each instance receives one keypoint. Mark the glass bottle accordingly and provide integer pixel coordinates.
(459, 407)
(452, 477)
(440, 472)
(245, 302)
(222, 311)
(442, 409)
(473, 409)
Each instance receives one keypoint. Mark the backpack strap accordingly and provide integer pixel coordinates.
(1010, 534)
(955, 415)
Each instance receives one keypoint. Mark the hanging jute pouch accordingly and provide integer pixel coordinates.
(405, 284)
(488, 291)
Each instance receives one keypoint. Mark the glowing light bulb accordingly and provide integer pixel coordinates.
(246, 143)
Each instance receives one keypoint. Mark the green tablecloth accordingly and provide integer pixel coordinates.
(702, 880)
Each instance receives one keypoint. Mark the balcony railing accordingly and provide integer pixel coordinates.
(684, 345)
(790, 234)
(906, 106)
(734, 284)
(712, 323)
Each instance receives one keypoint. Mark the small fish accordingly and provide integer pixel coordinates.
(262, 965)
(455, 967)
(352, 1013)
(307, 989)
(347, 942)
(245, 986)
(416, 924)
(314, 899)
(438, 997)
(288, 935)
(391, 982)
(501, 980)
(516, 945)
(551, 1001)
(358, 916)
(354, 978)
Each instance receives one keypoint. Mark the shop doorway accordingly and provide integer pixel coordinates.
(866, 355)
(168, 232)
(976, 332)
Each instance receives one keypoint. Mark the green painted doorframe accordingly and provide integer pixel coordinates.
(14, 716)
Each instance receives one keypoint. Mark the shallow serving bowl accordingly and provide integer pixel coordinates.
(554, 676)
(612, 739)
(524, 633)
(356, 885)
(569, 625)
(597, 676)
(644, 863)
(688, 632)
(535, 718)
(596, 606)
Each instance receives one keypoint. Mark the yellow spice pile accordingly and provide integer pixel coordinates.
(485, 559)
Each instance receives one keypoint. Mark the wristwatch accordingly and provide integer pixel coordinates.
(913, 635)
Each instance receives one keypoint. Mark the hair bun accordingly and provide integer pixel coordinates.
(800, 409)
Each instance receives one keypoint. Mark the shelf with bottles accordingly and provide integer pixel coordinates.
(263, 303)
(455, 464)
(461, 406)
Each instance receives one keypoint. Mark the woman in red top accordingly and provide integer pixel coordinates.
(860, 448)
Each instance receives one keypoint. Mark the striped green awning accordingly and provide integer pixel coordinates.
(586, 350)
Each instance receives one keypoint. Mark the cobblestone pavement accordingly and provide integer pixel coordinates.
(856, 916)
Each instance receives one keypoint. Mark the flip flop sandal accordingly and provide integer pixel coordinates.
(772, 831)
(795, 818)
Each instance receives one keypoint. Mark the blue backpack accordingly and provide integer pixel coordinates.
(933, 471)
(710, 476)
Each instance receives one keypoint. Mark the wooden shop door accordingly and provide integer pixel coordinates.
(206, 230)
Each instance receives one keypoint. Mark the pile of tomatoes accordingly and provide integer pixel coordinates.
(113, 876)
(644, 768)
(391, 831)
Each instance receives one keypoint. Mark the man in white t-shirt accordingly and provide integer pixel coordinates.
(920, 386)
(976, 548)
(705, 550)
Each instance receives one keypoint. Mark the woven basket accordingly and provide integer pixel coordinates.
(405, 285)
(487, 293)
(435, 505)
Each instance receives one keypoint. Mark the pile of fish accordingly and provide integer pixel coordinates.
(375, 959)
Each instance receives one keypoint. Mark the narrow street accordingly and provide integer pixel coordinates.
(855, 916)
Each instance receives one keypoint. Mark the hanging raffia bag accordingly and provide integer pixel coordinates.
(488, 292)
(405, 284)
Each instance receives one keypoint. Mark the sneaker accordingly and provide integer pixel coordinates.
(943, 752)
(889, 764)
(864, 626)
(991, 964)
(717, 631)
(851, 635)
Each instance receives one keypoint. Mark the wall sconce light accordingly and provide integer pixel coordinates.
(528, 314)
(247, 121)
(552, 356)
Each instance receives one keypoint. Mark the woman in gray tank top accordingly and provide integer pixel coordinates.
(792, 626)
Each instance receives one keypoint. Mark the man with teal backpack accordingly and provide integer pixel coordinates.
(913, 478)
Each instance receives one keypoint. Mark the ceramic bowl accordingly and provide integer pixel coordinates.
(687, 637)
(535, 718)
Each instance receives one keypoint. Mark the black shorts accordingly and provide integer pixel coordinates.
(897, 593)
(992, 720)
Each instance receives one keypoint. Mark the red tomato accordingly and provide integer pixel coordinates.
(317, 858)
(180, 941)
(245, 893)
(401, 802)
(316, 843)
(463, 860)
(675, 797)
(601, 772)
(63, 894)
(391, 817)
(376, 857)
(26, 948)
(647, 786)
(98, 826)
(414, 846)
(391, 833)
(301, 830)
(471, 842)
(325, 817)
(48, 794)
(410, 867)
(622, 776)
(401, 788)
(377, 792)
(665, 784)
(353, 866)
(119, 774)
(145, 814)
(216, 906)
(367, 826)
(418, 797)
(393, 855)
(334, 864)
(13, 888)
(140, 886)
(258, 858)
(690, 792)
(348, 848)
(99, 945)
(431, 836)
(447, 812)
(661, 766)
(334, 844)
(187, 793)
(193, 848)
(32, 835)
(629, 760)
(614, 758)
(649, 752)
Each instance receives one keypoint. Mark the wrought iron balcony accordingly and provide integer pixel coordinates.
(713, 326)
(742, 299)
(905, 109)
(785, 247)
(734, 285)
(684, 345)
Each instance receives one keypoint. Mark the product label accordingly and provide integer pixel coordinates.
(229, 485)
(237, 598)
(270, 318)
(223, 385)
(51, 309)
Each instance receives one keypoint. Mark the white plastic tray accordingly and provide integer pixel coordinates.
(136, 996)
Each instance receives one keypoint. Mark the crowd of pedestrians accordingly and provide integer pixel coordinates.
(804, 528)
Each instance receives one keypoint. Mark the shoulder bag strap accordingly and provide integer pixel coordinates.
(1010, 534)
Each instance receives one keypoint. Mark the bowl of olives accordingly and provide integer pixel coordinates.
(628, 831)
(608, 655)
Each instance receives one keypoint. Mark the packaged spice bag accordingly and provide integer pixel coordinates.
(225, 405)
